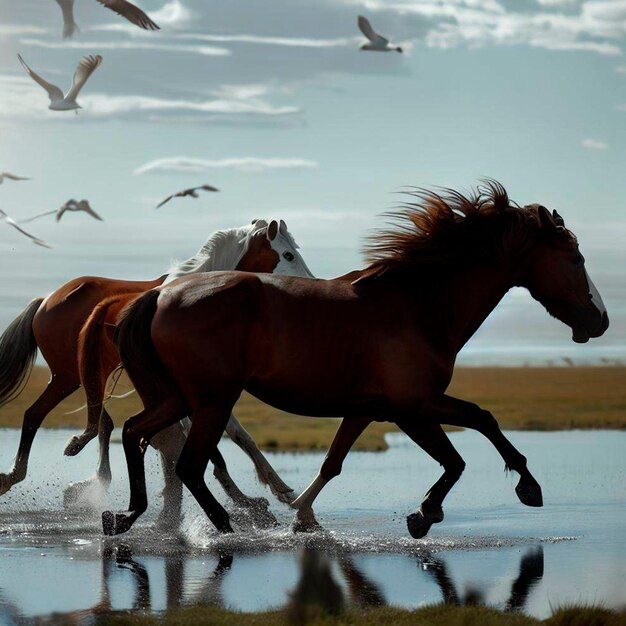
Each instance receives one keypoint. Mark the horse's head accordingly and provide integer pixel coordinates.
(271, 248)
(556, 277)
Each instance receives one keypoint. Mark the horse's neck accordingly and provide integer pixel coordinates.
(466, 299)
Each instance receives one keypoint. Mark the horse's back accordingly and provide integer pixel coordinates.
(62, 314)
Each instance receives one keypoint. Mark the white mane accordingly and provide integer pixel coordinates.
(221, 251)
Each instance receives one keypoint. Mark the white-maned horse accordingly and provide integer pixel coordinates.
(54, 324)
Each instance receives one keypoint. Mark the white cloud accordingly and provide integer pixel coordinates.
(190, 165)
(125, 45)
(10, 30)
(556, 3)
(620, 107)
(295, 42)
(594, 144)
(620, 69)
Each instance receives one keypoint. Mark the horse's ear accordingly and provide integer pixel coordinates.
(545, 219)
(283, 227)
(272, 230)
(558, 220)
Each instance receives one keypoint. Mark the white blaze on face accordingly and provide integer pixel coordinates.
(595, 295)
(290, 262)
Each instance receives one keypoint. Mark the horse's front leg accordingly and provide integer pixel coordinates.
(431, 438)
(448, 410)
(347, 433)
(266, 473)
(137, 433)
(86, 492)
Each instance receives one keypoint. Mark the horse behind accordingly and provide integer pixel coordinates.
(380, 347)
(57, 325)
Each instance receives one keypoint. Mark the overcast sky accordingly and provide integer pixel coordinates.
(273, 103)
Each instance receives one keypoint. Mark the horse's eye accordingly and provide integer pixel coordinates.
(289, 256)
(578, 260)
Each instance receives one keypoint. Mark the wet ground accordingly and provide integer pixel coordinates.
(489, 548)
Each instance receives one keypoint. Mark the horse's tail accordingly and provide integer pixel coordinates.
(18, 348)
(90, 349)
(138, 354)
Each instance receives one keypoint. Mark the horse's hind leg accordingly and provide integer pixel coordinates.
(138, 431)
(347, 433)
(169, 442)
(83, 493)
(207, 426)
(266, 473)
(431, 438)
(448, 410)
(57, 390)
(258, 508)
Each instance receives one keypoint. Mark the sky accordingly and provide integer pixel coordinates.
(274, 104)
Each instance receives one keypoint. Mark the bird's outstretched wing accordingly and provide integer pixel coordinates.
(131, 12)
(69, 25)
(35, 217)
(208, 188)
(83, 205)
(368, 31)
(166, 200)
(13, 223)
(68, 206)
(54, 93)
(86, 67)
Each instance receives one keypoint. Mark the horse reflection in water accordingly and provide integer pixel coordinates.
(319, 588)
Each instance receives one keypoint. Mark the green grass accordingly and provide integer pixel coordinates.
(436, 615)
(520, 398)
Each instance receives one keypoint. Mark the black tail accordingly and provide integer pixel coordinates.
(18, 349)
(139, 356)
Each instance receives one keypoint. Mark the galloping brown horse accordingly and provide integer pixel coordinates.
(54, 325)
(379, 347)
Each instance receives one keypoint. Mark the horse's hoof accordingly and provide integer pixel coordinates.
(261, 514)
(305, 522)
(419, 523)
(530, 495)
(74, 446)
(6, 482)
(116, 523)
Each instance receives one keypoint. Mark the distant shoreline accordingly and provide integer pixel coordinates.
(521, 398)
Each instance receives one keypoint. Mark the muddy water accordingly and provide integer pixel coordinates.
(489, 547)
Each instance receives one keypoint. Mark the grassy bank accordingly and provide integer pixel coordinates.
(440, 615)
(521, 399)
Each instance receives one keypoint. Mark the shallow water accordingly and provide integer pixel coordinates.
(489, 546)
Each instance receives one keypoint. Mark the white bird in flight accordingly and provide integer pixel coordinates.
(10, 176)
(70, 205)
(377, 43)
(122, 7)
(4, 217)
(192, 192)
(59, 102)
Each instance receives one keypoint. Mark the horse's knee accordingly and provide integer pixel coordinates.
(455, 468)
(330, 468)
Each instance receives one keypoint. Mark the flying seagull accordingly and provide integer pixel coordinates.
(70, 205)
(122, 7)
(58, 102)
(377, 42)
(13, 223)
(10, 176)
(193, 192)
